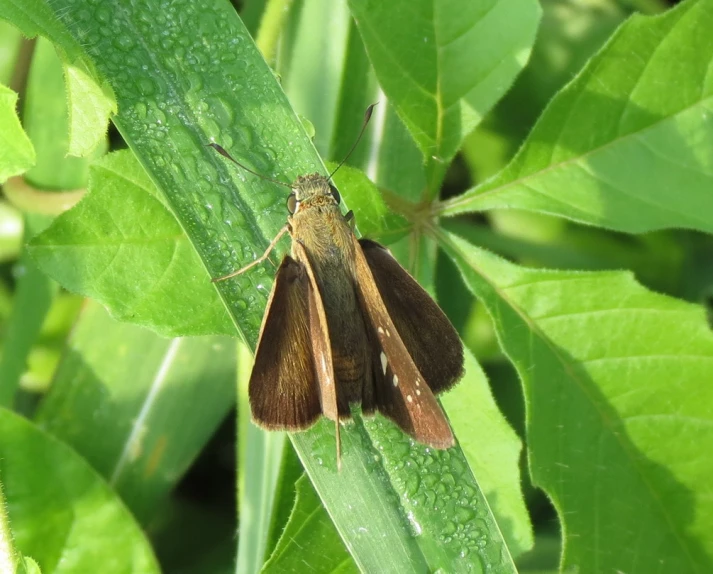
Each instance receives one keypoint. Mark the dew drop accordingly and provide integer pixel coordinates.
(146, 86)
(103, 14)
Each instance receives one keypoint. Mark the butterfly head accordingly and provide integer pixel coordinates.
(312, 190)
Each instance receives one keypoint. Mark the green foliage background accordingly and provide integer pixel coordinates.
(545, 169)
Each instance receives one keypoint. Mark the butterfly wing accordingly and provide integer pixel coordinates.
(284, 390)
(401, 391)
(431, 340)
(321, 348)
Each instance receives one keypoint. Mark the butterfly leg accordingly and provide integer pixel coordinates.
(259, 260)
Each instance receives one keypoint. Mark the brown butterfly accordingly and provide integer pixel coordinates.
(345, 324)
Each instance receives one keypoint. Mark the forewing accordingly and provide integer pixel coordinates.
(284, 390)
(321, 348)
(321, 345)
(400, 390)
(431, 340)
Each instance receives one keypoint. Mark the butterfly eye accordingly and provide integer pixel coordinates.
(292, 203)
(335, 194)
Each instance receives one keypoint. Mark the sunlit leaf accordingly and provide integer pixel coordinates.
(16, 151)
(121, 246)
(616, 385)
(309, 539)
(445, 64)
(611, 149)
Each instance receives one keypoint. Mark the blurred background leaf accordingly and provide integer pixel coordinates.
(62, 514)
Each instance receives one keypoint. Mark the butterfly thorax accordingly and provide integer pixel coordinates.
(327, 238)
(319, 225)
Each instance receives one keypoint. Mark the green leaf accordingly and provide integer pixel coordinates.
(170, 107)
(46, 118)
(291, 470)
(9, 556)
(61, 513)
(493, 451)
(431, 515)
(616, 384)
(387, 153)
(311, 64)
(31, 567)
(16, 151)
(90, 108)
(272, 23)
(137, 406)
(357, 90)
(373, 218)
(309, 539)
(10, 42)
(261, 459)
(90, 99)
(36, 18)
(398, 167)
(611, 150)
(121, 246)
(444, 65)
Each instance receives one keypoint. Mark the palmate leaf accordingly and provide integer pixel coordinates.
(617, 382)
(628, 145)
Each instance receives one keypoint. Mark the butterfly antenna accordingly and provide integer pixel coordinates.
(224, 153)
(367, 117)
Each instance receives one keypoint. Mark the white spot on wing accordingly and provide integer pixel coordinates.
(388, 334)
(418, 392)
(381, 331)
(396, 381)
(383, 362)
(409, 398)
